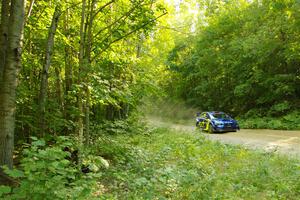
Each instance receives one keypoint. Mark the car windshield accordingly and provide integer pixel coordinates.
(220, 116)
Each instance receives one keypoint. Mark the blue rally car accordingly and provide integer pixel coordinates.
(216, 122)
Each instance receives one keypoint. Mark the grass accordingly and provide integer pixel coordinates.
(166, 164)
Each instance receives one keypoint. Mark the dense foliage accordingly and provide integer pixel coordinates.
(48, 172)
(105, 83)
(165, 164)
(74, 74)
(243, 60)
(83, 71)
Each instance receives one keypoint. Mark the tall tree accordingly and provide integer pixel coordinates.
(45, 71)
(10, 61)
(80, 70)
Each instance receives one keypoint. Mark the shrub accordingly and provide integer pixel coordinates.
(290, 121)
(46, 172)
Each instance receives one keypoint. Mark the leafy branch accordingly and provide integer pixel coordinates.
(127, 34)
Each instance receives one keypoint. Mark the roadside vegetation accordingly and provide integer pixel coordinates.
(165, 164)
(157, 163)
(290, 121)
(75, 74)
(243, 60)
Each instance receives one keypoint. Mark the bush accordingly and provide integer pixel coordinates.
(47, 172)
(131, 125)
(290, 121)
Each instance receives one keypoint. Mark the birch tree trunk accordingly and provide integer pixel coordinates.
(45, 71)
(80, 70)
(8, 82)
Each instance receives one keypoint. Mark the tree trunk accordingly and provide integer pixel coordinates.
(86, 69)
(68, 68)
(8, 84)
(81, 67)
(59, 90)
(3, 34)
(87, 116)
(139, 46)
(44, 78)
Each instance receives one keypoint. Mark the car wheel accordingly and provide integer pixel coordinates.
(210, 128)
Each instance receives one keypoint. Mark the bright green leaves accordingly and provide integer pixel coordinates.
(242, 90)
(38, 143)
(15, 173)
(114, 72)
(245, 58)
(4, 190)
(50, 172)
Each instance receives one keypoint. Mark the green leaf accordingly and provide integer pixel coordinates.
(34, 138)
(4, 190)
(39, 143)
(15, 173)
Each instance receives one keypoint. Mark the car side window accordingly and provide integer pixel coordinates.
(207, 116)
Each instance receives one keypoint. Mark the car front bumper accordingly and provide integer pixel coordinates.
(226, 129)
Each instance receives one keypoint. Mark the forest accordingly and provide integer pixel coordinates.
(246, 58)
(79, 79)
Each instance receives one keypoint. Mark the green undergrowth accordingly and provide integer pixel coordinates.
(290, 121)
(158, 163)
(165, 164)
(50, 171)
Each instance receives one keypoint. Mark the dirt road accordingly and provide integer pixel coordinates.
(283, 142)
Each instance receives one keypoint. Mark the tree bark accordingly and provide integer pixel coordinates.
(8, 83)
(3, 34)
(87, 116)
(68, 68)
(68, 53)
(87, 56)
(139, 46)
(79, 82)
(81, 67)
(59, 90)
(44, 77)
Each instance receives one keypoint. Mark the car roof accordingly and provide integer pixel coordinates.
(216, 112)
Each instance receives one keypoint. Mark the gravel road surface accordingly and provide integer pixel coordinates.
(280, 141)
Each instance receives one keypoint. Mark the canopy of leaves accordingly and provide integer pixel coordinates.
(245, 57)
